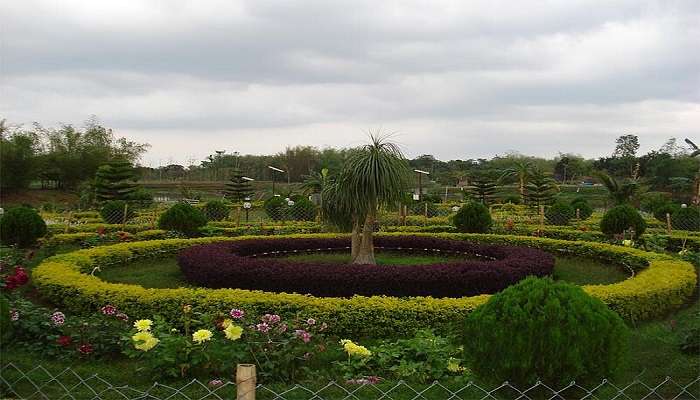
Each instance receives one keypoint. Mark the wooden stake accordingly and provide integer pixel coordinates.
(668, 223)
(541, 217)
(245, 382)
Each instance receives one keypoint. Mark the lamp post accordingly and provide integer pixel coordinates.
(420, 181)
(273, 177)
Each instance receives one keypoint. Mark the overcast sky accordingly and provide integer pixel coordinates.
(457, 79)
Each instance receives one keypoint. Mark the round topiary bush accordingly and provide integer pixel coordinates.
(663, 209)
(584, 209)
(559, 214)
(473, 217)
(546, 330)
(215, 210)
(275, 207)
(21, 226)
(182, 218)
(302, 209)
(113, 212)
(686, 218)
(622, 218)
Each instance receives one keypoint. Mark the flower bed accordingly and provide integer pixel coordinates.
(245, 264)
(661, 284)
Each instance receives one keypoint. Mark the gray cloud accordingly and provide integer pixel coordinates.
(456, 79)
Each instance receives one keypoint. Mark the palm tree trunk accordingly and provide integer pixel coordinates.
(522, 189)
(356, 240)
(365, 254)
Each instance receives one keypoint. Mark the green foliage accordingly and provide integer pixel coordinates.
(4, 317)
(21, 226)
(666, 208)
(686, 218)
(18, 158)
(115, 181)
(302, 209)
(473, 217)
(113, 212)
(690, 341)
(237, 189)
(511, 199)
(216, 210)
(418, 208)
(275, 207)
(584, 209)
(542, 330)
(650, 201)
(559, 213)
(540, 189)
(182, 218)
(621, 219)
(620, 192)
(482, 189)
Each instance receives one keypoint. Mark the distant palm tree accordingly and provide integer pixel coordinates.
(374, 176)
(620, 192)
(316, 181)
(522, 170)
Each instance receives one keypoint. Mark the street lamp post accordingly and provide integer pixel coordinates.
(420, 181)
(273, 177)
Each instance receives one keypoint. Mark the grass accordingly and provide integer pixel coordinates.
(164, 273)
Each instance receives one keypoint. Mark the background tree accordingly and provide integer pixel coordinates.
(18, 158)
(374, 176)
(115, 181)
(620, 191)
(521, 170)
(237, 188)
(540, 189)
(482, 189)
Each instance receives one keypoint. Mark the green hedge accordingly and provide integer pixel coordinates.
(656, 289)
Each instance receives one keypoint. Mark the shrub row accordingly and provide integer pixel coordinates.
(656, 289)
(231, 265)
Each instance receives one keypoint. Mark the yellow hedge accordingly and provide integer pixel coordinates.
(661, 284)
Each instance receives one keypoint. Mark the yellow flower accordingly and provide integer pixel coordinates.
(453, 365)
(143, 325)
(202, 336)
(355, 350)
(225, 323)
(233, 332)
(144, 341)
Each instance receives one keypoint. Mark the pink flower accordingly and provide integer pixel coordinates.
(236, 313)
(311, 321)
(271, 318)
(109, 310)
(14, 315)
(58, 318)
(282, 328)
(263, 327)
(216, 382)
(303, 335)
(122, 316)
(86, 348)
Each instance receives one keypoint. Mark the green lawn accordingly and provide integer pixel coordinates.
(165, 273)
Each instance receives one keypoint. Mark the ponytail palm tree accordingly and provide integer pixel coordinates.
(374, 176)
(522, 170)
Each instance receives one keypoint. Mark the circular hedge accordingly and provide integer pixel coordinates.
(660, 284)
(246, 264)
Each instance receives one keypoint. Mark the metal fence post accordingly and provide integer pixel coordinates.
(245, 382)
(668, 224)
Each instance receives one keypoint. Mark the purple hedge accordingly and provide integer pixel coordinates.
(248, 264)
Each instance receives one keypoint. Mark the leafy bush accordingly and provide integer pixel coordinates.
(216, 210)
(559, 214)
(584, 209)
(112, 212)
(275, 207)
(650, 201)
(690, 341)
(303, 209)
(666, 208)
(21, 226)
(687, 218)
(182, 218)
(418, 208)
(620, 219)
(232, 265)
(512, 199)
(473, 217)
(544, 330)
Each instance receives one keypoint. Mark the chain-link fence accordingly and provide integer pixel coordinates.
(41, 383)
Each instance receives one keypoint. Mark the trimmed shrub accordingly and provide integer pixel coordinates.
(246, 264)
(21, 226)
(303, 209)
(473, 217)
(512, 199)
(559, 214)
(112, 212)
(182, 218)
(544, 330)
(584, 209)
(215, 210)
(418, 208)
(663, 209)
(622, 218)
(687, 219)
(275, 207)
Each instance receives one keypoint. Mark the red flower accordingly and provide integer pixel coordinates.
(109, 310)
(86, 349)
(64, 341)
(18, 278)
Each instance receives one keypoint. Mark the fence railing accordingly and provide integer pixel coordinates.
(41, 383)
